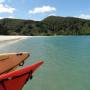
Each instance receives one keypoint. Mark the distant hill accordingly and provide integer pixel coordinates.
(52, 25)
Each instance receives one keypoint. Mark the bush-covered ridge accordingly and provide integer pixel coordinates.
(52, 25)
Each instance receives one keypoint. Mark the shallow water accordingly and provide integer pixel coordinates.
(67, 61)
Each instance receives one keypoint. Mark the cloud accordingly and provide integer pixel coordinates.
(43, 9)
(7, 17)
(6, 9)
(1, 1)
(11, 17)
(1, 17)
(84, 16)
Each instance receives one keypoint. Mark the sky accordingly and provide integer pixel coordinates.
(40, 9)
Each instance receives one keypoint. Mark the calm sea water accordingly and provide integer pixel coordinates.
(67, 61)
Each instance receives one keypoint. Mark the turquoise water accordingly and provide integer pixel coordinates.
(67, 61)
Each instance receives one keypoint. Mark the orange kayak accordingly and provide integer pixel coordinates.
(10, 61)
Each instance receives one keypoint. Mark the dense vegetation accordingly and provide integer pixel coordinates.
(52, 25)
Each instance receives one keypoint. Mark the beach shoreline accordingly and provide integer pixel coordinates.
(8, 40)
(3, 37)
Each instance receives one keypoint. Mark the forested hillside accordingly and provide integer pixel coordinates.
(52, 25)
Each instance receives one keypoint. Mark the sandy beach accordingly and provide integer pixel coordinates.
(7, 40)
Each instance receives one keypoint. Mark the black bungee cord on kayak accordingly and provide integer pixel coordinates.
(21, 64)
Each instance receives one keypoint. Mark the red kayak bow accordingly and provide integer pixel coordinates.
(17, 79)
